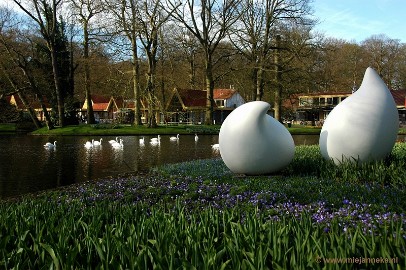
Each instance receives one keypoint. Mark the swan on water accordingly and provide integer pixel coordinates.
(117, 145)
(50, 145)
(174, 138)
(142, 140)
(156, 139)
(89, 144)
(113, 141)
(97, 143)
(196, 138)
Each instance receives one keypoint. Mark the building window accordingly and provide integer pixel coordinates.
(220, 102)
(322, 101)
(305, 101)
(335, 100)
(329, 101)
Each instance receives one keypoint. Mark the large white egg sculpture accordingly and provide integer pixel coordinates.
(364, 126)
(254, 143)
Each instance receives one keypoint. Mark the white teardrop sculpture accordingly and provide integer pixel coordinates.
(364, 126)
(254, 143)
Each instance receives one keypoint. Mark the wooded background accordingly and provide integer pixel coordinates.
(63, 51)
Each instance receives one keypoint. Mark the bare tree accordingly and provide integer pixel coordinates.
(383, 54)
(209, 21)
(16, 65)
(45, 14)
(257, 35)
(125, 17)
(152, 17)
(86, 11)
(22, 62)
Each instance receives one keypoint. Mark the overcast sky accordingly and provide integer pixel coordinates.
(356, 20)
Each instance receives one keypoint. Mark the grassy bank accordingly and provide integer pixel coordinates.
(7, 128)
(198, 215)
(121, 130)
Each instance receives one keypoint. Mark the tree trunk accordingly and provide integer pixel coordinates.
(253, 78)
(278, 81)
(47, 117)
(51, 41)
(259, 83)
(89, 105)
(30, 110)
(136, 78)
(151, 93)
(58, 87)
(210, 90)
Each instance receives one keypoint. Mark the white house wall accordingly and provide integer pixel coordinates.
(235, 99)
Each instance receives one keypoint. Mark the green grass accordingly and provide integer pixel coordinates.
(122, 130)
(67, 236)
(199, 215)
(7, 128)
(116, 129)
(304, 130)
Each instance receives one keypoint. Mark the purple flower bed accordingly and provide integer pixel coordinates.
(192, 194)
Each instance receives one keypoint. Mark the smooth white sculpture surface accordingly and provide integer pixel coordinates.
(253, 143)
(364, 126)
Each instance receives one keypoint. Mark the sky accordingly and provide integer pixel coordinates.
(357, 20)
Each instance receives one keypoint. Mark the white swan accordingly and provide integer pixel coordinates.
(174, 138)
(215, 147)
(113, 141)
(142, 141)
(89, 144)
(50, 145)
(98, 143)
(118, 145)
(196, 138)
(156, 139)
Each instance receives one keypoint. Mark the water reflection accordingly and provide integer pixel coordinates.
(27, 166)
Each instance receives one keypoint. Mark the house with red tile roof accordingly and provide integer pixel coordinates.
(33, 102)
(104, 108)
(189, 105)
(126, 109)
(313, 108)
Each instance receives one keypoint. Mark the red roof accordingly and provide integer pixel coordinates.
(193, 98)
(99, 103)
(33, 102)
(223, 93)
(100, 99)
(198, 98)
(129, 103)
(399, 96)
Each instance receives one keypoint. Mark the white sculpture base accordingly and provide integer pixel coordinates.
(254, 143)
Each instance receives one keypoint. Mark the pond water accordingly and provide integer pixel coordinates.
(26, 166)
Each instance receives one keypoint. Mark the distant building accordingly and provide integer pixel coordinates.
(313, 108)
(104, 108)
(189, 105)
(33, 102)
